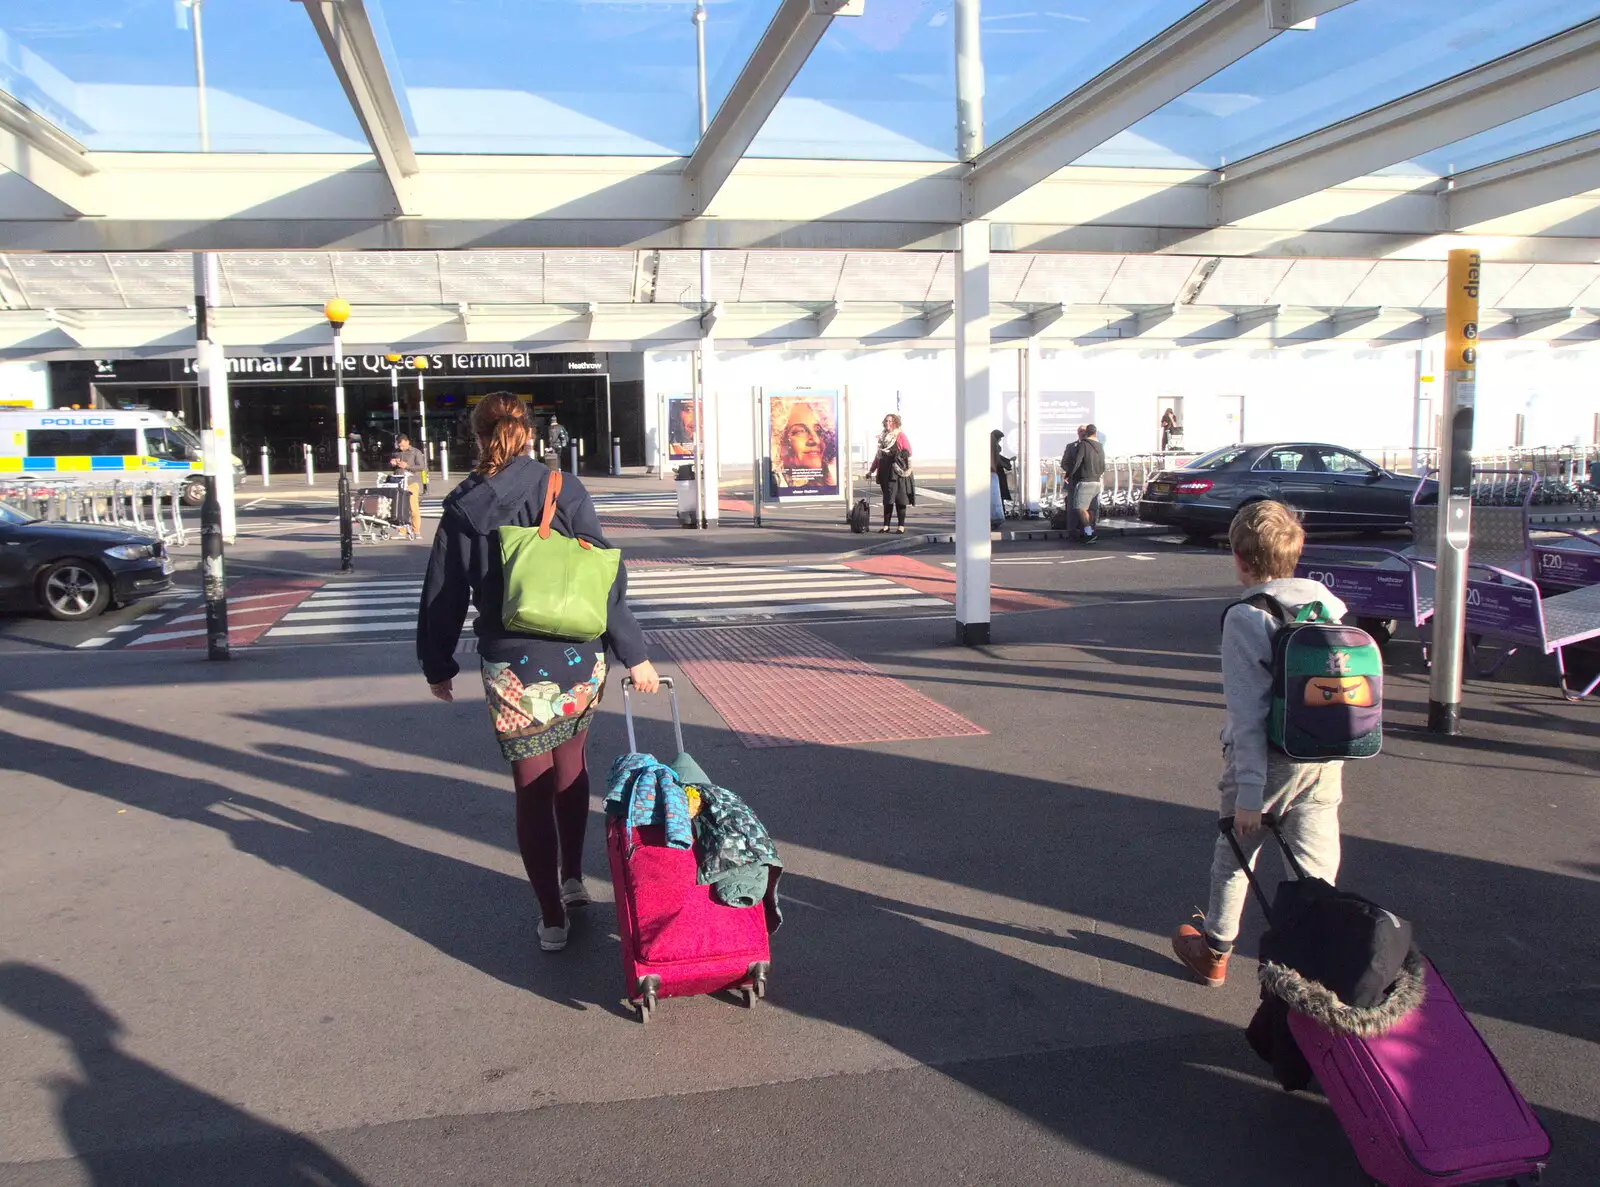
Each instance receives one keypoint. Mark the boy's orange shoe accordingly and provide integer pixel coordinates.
(1189, 945)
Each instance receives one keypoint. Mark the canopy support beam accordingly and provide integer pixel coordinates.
(352, 48)
(1487, 96)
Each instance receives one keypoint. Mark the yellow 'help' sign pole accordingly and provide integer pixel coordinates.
(1455, 490)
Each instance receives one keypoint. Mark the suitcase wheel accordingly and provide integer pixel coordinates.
(755, 984)
(649, 988)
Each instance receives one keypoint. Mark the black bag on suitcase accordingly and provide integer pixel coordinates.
(860, 517)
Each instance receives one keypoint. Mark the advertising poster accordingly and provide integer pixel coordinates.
(680, 428)
(803, 440)
(1060, 415)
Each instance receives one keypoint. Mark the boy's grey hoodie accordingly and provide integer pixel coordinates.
(1247, 634)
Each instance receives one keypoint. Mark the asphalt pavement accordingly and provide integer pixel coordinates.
(265, 921)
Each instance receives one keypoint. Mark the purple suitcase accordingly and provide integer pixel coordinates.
(1426, 1102)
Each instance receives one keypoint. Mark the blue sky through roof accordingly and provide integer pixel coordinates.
(1541, 129)
(597, 77)
(119, 75)
(1358, 57)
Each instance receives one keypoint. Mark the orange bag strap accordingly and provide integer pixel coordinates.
(552, 492)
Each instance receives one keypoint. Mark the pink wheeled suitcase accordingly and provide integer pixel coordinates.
(1426, 1102)
(677, 941)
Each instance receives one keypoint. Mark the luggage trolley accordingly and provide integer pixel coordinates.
(383, 512)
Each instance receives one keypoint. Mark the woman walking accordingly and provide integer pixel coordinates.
(542, 693)
(892, 465)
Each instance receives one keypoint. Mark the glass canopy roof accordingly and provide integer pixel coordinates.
(602, 77)
(119, 75)
(1358, 57)
(618, 77)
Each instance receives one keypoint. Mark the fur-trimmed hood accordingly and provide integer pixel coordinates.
(1323, 1006)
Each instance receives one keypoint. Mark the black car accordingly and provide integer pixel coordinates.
(73, 571)
(1334, 489)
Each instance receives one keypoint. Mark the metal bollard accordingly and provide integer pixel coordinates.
(311, 476)
(573, 449)
(444, 464)
(266, 470)
(213, 572)
(616, 456)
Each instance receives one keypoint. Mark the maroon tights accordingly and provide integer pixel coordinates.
(552, 816)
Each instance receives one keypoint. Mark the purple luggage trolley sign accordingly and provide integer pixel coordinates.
(1567, 566)
(1369, 592)
(1505, 612)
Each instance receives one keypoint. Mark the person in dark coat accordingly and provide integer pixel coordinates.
(892, 465)
(542, 693)
(999, 464)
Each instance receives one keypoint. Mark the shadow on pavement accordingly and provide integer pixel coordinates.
(131, 1123)
(973, 994)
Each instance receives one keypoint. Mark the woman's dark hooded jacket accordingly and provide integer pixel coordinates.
(465, 566)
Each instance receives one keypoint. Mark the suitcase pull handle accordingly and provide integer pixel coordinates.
(627, 712)
(1225, 827)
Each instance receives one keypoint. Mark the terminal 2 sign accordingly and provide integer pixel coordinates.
(297, 367)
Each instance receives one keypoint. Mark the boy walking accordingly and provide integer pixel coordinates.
(1266, 539)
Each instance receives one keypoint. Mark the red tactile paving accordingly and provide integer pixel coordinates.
(784, 686)
(941, 583)
(255, 605)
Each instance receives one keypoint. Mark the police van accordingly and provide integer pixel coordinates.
(97, 444)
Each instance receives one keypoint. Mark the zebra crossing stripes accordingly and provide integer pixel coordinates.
(754, 592)
(653, 505)
(680, 596)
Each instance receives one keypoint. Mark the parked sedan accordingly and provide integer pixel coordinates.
(73, 571)
(1334, 489)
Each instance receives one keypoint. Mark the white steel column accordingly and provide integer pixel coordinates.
(974, 417)
(211, 364)
(1422, 410)
(1028, 406)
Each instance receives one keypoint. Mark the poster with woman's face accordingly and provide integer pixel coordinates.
(804, 442)
(680, 428)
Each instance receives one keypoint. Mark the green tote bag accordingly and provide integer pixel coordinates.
(556, 587)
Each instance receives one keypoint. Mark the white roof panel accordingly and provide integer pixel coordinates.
(1069, 279)
(154, 280)
(678, 277)
(1550, 286)
(81, 280)
(490, 277)
(599, 276)
(792, 275)
(1244, 282)
(1007, 272)
(888, 276)
(388, 277)
(1406, 283)
(277, 278)
(1149, 280)
(1320, 282)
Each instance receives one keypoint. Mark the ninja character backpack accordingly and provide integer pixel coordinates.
(1327, 685)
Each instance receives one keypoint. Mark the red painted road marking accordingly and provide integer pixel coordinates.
(261, 603)
(784, 686)
(941, 583)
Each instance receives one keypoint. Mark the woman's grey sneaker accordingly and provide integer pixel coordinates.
(574, 893)
(554, 939)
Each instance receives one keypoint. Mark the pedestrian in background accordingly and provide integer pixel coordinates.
(892, 465)
(1087, 479)
(999, 487)
(542, 693)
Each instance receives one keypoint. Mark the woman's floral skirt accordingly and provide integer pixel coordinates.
(534, 717)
